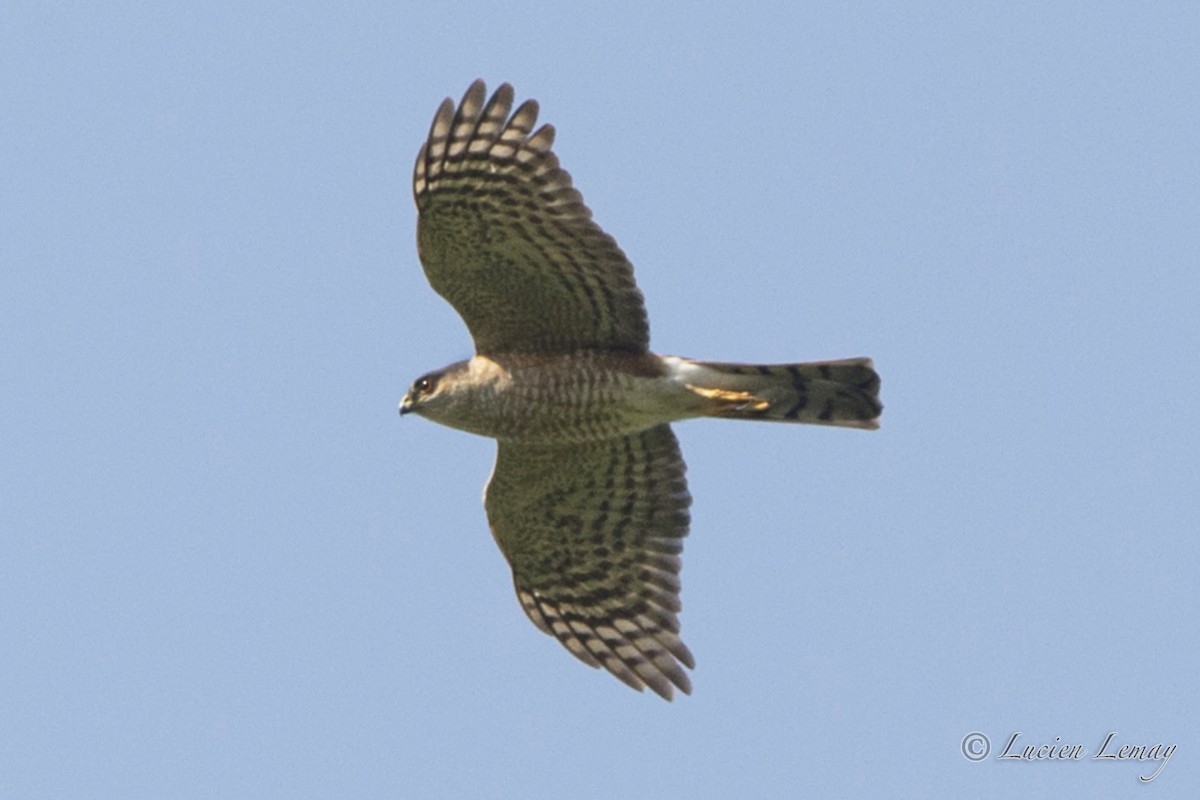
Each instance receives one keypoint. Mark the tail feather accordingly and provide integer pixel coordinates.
(843, 393)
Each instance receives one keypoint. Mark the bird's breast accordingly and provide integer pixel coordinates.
(565, 398)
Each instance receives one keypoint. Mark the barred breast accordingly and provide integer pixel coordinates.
(581, 396)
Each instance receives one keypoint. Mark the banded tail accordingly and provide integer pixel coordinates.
(843, 393)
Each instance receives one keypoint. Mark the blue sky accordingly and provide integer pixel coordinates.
(228, 569)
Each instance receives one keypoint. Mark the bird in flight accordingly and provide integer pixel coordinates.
(587, 499)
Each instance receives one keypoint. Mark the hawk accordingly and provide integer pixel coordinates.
(587, 499)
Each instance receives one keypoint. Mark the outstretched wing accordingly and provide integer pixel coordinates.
(507, 240)
(593, 533)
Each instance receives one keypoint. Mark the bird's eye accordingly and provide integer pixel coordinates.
(424, 385)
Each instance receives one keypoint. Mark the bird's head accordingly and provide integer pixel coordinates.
(422, 394)
(435, 394)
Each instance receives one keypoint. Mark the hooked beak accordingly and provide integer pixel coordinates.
(405, 405)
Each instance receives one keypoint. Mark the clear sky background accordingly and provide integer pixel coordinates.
(228, 569)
